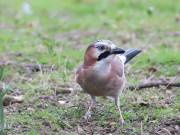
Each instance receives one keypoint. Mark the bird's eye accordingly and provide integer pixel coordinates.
(101, 48)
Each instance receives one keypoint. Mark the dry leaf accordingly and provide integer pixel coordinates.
(7, 100)
(30, 109)
(80, 130)
(177, 128)
(154, 97)
(63, 90)
(141, 102)
(152, 69)
(168, 92)
(62, 102)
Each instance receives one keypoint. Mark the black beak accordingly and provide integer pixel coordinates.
(117, 51)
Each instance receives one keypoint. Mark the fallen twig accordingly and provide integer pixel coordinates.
(176, 33)
(153, 84)
(33, 67)
(8, 99)
(63, 90)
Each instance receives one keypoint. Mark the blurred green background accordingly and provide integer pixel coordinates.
(55, 33)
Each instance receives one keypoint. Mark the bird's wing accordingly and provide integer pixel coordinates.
(78, 73)
(79, 69)
(117, 65)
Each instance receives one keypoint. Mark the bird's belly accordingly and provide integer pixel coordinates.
(105, 87)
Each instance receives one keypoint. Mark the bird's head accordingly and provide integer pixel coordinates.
(100, 50)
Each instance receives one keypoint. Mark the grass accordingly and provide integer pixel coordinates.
(57, 33)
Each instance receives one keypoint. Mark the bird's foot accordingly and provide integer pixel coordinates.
(122, 122)
(87, 116)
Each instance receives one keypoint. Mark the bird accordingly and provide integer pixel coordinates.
(102, 72)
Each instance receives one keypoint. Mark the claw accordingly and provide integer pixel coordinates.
(87, 116)
(122, 122)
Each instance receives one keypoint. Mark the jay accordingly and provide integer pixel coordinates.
(102, 73)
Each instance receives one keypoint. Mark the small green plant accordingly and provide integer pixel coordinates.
(1, 73)
(50, 44)
(3, 91)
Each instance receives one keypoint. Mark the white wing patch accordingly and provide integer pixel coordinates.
(122, 58)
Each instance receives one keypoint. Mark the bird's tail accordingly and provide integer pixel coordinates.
(130, 53)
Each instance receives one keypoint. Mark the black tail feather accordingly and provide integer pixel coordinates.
(130, 53)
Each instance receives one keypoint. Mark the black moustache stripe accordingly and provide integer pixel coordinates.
(103, 55)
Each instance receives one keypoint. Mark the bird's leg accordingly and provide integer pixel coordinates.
(117, 103)
(88, 113)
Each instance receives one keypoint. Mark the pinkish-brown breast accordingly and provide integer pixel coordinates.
(108, 85)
